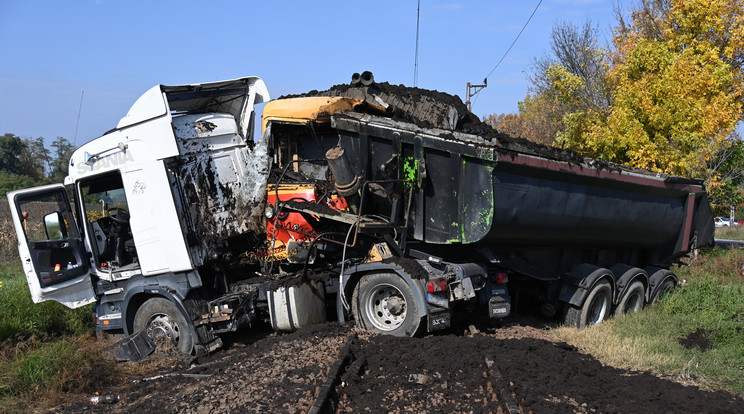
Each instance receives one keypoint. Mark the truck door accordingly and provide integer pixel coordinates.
(50, 246)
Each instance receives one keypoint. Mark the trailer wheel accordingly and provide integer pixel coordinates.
(633, 299)
(666, 286)
(595, 309)
(162, 320)
(385, 303)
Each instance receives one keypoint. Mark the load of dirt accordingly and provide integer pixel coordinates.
(433, 109)
(447, 372)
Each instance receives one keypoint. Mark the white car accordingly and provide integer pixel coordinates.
(722, 222)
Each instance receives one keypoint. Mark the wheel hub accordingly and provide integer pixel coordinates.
(386, 308)
(161, 326)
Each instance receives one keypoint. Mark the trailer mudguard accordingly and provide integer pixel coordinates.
(656, 279)
(577, 283)
(625, 275)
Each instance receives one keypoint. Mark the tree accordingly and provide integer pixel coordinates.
(566, 87)
(34, 158)
(10, 147)
(538, 120)
(60, 162)
(677, 98)
(10, 181)
(575, 52)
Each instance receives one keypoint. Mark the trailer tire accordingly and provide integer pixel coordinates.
(385, 303)
(162, 319)
(666, 286)
(595, 309)
(633, 299)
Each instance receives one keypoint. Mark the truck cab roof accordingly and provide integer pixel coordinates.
(149, 130)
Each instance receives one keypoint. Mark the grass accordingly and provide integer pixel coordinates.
(710, 305)
(22, 318)
(45, 349)
(730, 233)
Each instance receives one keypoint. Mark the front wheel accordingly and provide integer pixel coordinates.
(595, 309)
(384, 302)
(162, 320)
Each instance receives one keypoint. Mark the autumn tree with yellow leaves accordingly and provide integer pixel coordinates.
(674, 91)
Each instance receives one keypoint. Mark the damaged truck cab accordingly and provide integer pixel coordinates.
(143, 192)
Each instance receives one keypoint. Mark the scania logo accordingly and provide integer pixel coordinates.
(105, 162)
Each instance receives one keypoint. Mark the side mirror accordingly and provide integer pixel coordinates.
(54, 224)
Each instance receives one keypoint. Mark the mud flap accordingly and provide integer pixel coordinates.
(499, 306)
(135, 347)
(438, 320)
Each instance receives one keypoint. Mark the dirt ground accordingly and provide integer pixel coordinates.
(444, 373)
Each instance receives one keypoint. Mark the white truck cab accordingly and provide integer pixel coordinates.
(135, 190)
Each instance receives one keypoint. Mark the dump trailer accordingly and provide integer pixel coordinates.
(387, 205)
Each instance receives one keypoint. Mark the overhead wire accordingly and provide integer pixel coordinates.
(515, 40)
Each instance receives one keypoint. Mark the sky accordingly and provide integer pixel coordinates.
(73, 68)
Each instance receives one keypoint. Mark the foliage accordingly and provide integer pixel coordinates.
(10, 147)
(10, 181)
(60, 163)
(26, 162)
(571, 81)
(677, 98)
(34, 158)
(538, 120)
(666, 97)
(577, 69)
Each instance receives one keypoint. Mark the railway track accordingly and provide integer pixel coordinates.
(349, 364)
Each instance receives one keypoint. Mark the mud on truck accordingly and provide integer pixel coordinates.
(392, 206)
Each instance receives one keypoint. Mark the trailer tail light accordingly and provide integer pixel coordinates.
(499, 278)
(436, 285)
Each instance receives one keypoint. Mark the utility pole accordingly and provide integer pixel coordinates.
(472, 91)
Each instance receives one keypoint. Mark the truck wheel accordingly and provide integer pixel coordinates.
(666, 286)
(385, 303)
(595, 309)
(632, 300)
(162, 320)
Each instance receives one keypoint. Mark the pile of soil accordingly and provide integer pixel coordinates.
(436, 373)
(431, 109)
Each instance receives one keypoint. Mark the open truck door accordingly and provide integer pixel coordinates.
(51, 248)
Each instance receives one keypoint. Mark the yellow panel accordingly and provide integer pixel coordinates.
(304, 110)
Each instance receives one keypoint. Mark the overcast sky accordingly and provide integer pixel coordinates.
(110, 52)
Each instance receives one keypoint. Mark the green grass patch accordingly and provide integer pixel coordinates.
(45, 349)
(695, 333)
(20, 317)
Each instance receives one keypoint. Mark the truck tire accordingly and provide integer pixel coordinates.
(385, 303)
(633, 299)
(162, 320)
(666, 286)
(595, 309)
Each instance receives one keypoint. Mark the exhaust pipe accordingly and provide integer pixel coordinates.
(355, 79)
(367, 78)
(346, 182)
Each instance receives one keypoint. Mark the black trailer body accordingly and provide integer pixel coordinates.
(582, 237)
